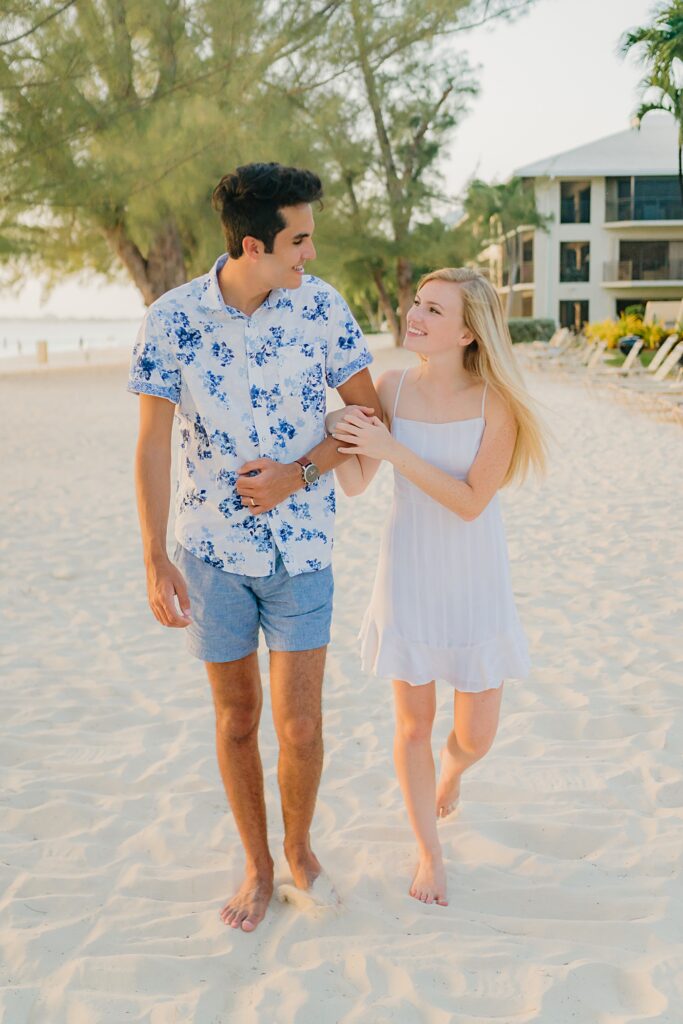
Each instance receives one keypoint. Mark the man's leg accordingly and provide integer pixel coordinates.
(296, 686)
(238, 699)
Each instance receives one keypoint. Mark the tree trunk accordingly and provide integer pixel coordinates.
(512, 273)
(164, 267)
(387, 306)
(680, 162)
(404, 275)
(372, 315)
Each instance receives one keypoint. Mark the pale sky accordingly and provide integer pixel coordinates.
(549, 82)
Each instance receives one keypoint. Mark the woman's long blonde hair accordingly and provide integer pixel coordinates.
(490, 357)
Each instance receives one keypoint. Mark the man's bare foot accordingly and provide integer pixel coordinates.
(247, 908)
(303, 864)
(429, 884)
(448, 789)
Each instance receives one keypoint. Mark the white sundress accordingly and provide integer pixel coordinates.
(442, 605)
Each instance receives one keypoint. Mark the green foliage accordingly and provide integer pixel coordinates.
(119, 116)
(661, 46)
(612, 331)
(496, 212)
(529, 328)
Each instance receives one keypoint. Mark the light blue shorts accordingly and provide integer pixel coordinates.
(227, 610)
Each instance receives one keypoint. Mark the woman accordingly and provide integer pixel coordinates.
(461, 426)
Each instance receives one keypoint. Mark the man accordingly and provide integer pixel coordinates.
(241, 356)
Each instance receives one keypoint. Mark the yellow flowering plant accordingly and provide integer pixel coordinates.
(612, 331)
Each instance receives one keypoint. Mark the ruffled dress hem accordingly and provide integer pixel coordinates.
(468, 669)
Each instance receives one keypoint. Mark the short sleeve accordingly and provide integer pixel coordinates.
(154, 369)
(346, 350)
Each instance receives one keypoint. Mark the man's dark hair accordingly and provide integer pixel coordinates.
(249, 200)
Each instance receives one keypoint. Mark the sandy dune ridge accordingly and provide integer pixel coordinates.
(116, 848)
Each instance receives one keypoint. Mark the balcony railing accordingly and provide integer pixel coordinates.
(643, 209)
(524, 274)
(635, 270)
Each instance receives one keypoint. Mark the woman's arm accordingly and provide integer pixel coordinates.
(356, 474)
(468, 498)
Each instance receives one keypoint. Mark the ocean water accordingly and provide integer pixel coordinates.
(19, 337)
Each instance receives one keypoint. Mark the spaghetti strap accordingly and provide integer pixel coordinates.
(398, 392)
(483, 398)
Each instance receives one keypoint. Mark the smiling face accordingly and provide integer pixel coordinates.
(435, 320)
(293, 246)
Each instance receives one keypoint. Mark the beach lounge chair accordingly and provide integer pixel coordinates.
(658, 383)
(595, 356)
(558, 343)
(661, 353)
(576, 353)
(628, 364)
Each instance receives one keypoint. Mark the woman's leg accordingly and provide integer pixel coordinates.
(475, 722)
(415, 709)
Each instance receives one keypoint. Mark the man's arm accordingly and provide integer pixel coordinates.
(153, 489)
(276, 481)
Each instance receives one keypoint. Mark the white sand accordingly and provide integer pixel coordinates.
(564, 861)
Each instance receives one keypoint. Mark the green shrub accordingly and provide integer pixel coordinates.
(529, 328)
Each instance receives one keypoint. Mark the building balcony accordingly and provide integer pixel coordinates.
(625, 272)
(629, 210)
(524, 274)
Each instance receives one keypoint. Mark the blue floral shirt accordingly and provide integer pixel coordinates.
(247, 387)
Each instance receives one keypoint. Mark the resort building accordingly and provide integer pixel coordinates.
(616, 237)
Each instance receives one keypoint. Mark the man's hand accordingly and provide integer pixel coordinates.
(164, 583)
(271, 483)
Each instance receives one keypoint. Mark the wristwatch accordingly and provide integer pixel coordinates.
(309, 471)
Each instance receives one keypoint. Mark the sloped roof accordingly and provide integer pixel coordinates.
(650, 149)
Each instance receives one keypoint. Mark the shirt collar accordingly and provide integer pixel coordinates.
(213, 299)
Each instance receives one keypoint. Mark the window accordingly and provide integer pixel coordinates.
(575, 202)
(651, 197)
(623, 304)
(650, 261)
(526, 268)
(573, 313)
(574, 261)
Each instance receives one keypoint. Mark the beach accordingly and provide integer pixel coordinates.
(117, 848)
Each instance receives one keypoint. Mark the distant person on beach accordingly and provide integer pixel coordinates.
(461, 426)
(241, 356)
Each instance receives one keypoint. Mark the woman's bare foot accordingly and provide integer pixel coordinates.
(429, 884)
(247, 908)
(448, 789)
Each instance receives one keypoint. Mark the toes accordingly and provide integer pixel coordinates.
(248, 925)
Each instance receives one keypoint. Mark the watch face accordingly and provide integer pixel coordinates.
(311, 473)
